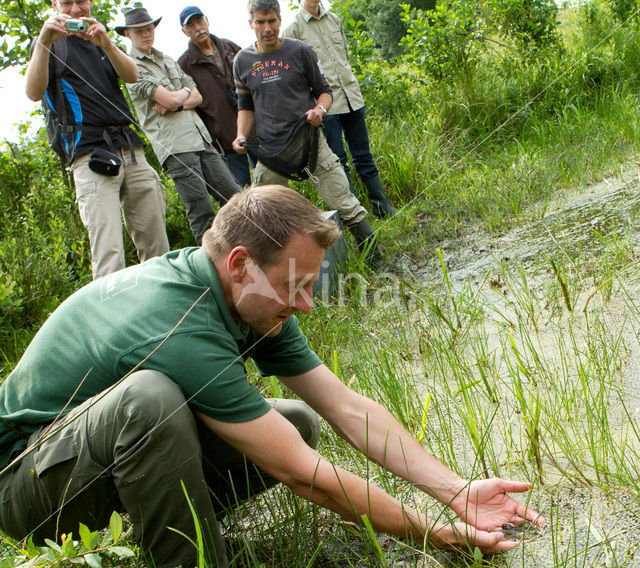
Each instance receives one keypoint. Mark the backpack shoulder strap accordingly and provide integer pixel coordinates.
(58, 51)
(59, 54)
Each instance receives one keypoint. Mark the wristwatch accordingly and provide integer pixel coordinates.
(324, 110)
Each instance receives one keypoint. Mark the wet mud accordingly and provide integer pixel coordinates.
(574, 224)
(587, 526)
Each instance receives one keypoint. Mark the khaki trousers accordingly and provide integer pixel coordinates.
(136, 193)
(129, 449)
(328, 178)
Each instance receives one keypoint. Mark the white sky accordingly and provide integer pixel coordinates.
(227, 18)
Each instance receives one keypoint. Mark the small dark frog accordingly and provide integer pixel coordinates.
(526, 530)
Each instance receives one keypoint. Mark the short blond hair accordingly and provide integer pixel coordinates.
(264, 219)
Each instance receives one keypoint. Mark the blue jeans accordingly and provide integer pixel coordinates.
(355, 133)
(238, 165)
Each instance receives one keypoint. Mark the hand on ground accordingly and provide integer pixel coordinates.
(460, 536)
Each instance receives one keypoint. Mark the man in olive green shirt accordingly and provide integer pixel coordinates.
(164, 98)
(135, 387)
(324, 32)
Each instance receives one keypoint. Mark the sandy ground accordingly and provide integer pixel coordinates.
(578, 230)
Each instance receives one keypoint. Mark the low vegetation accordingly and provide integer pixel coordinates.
(485, 117)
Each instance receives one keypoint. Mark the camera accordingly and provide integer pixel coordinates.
(76, 26)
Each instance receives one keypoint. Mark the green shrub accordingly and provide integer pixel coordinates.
(44, 253)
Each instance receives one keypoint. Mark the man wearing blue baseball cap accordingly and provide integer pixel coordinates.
(209, 60)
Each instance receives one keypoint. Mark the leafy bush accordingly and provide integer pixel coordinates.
(445, 42)
(381, 20)
(44, 251)
(93, 549)
(624, 10)
(531, 23)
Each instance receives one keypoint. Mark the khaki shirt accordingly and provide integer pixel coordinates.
(325, 34)
(175, 132)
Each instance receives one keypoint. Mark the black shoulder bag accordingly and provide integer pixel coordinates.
(284, 157)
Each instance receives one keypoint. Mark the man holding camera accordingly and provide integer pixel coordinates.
(209, 60)
(76, 67)
(165, 99)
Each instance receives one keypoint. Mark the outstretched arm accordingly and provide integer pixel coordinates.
(375, 432)
(274, 445)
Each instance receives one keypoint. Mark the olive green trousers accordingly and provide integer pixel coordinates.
(129, 449)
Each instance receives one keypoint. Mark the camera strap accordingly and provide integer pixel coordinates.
(223, 83)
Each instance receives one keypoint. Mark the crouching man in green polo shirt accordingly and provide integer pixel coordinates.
(136, 383)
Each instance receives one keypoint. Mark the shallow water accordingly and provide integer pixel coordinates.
(587, 526)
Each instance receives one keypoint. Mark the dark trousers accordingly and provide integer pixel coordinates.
(131, 449)
(197, 175)
(238, 165)
(354, 127)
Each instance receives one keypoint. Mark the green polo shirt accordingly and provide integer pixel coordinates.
(168, 313)
(174, 132)
(325, 34)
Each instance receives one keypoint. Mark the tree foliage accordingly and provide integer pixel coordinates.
(624, 10)
(444, 42)
(451, 39)
(21, 21)
(531, 23)
(382, 20)
(44, 253)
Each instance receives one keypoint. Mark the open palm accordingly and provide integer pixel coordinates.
(486, 505)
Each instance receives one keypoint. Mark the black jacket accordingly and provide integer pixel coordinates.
(216, 110)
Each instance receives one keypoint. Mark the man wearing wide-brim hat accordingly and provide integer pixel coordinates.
(137, 18)
(164, 98)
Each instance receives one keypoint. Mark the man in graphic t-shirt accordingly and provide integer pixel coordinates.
(280, 88)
